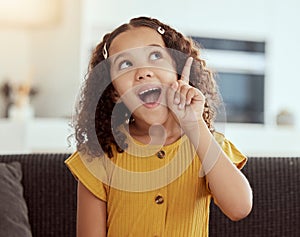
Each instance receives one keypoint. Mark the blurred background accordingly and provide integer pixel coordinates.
(252, 45)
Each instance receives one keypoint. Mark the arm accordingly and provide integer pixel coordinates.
(91, 214)
(228, 185)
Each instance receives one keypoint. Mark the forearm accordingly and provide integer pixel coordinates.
(227, 184)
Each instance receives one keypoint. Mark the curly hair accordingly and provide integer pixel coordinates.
(95, 124)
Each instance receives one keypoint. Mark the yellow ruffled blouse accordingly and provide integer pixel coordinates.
(152, 190)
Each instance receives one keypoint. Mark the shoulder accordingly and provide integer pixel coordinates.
(235, 155)
(90, 172)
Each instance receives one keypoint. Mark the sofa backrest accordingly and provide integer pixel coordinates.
(276, 201)
(50, 193)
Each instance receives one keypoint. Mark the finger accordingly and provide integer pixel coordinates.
(171, 93)
(194, 95)
(185, 76)
(175, 87)
(183, 93)
(190, 95)
(177, 97)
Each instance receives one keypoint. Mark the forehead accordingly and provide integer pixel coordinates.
(134, 38)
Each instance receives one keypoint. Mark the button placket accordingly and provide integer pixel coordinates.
(160, 203)
(159, 199)
(161, 154)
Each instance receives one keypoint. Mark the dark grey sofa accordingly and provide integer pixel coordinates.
(50, 194)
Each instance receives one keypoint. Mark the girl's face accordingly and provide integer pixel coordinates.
(141, 71)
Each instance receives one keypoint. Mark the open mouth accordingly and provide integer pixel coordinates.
(150, 95)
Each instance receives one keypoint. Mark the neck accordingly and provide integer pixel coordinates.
(165, 134)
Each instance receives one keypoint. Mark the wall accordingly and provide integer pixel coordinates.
(14, 55)
(55, 53)
(52, 52)
(272, 21)
(59, 53)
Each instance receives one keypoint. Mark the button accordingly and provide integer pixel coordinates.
(159, 199)
(161, 154)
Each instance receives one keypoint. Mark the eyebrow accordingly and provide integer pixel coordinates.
(119, 56)
(157, 45)
(126, 53)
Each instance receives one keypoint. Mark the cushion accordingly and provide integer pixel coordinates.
(13, 210)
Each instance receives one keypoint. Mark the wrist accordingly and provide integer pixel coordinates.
(195, 126)
(197, 132)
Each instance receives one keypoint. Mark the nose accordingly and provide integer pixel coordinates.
(144, 73)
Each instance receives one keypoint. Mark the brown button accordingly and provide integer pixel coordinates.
(161, 154)
(159, 199)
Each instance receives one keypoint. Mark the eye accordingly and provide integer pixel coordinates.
(155, 55)
(124, 64)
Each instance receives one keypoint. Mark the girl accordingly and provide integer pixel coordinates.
(148, 158)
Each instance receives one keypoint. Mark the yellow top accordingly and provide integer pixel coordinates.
(156, 194)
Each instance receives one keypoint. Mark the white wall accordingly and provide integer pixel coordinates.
(271, 20)
(59, 53)
(56, 53)
(14, 56)
(53, 53)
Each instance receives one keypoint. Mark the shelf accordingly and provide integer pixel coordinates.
(50, 135)
(261, 140)
(32, 136)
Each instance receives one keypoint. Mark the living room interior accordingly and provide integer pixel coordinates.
(252, 46)
(52, 52)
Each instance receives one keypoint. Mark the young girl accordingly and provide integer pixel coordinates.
(148, 158)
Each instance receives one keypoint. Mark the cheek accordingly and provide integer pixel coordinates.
(122, 84)
(119, 89)
(124, 89)
(168, 77)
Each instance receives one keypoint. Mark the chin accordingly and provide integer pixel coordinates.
(155, 119)
(159, 116)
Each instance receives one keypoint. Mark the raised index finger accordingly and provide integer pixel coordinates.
(185, 76)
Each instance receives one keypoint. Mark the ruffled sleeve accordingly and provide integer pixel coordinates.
(83, 173)
(237, 158)
(231, 151)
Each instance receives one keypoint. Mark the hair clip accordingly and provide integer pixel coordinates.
(104, 52)
(161, 30)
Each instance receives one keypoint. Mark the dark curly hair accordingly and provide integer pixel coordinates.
(95, 124)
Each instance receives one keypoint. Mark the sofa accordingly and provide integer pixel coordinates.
(49, 191)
